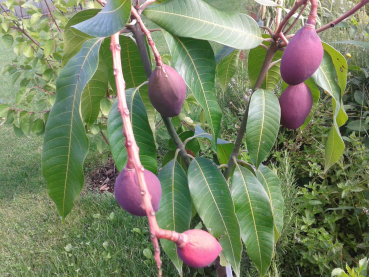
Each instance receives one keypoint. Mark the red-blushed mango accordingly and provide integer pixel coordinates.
(302, 56)
(167, 90)
(128, 193)
(201, 249)
(296, 103)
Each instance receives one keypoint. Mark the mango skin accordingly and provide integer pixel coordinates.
(296, 103)
(302, 56)
(200, 250)
(127, 191)
(167, 90)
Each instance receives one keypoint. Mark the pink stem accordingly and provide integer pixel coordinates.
(313, 12)
(133, 161)
(158, 60)
(344, 16)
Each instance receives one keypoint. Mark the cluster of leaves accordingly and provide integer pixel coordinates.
(333, 223)
(360, 271)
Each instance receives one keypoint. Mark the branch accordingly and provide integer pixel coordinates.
(273, 48)
(47, 5)
(296, 19)
(133, 159)
(279, 13)
(144, 5)
(344, 16)
(288, 16)
(137, 32)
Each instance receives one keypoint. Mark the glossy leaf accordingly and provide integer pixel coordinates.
(73, 39)
(255, 216)
(141, 130)
(262, 125)
(65, 142)
(175, 207)
(334, 147)
(93, 92)
(197, 19)
(212, 199)
(110, 20)
(133, 72)
(271, 184)
(255, 62)
(226, 68)
(194, 61)
(232, 6)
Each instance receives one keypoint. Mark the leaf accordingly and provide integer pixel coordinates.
(200, 133)
(105, 106)
(358, 125)
(224, 152)
(110, 20)
(267, 3)
(38, 126)
(316, 95)
(141, 130)
(262, 125)
(226, 68)
(231, 6)
(354, 42)
(255, 216)
(194, 61)
(255, 63)
(49, 47)
(175, 207)
(93, 92)
(73, 39)
(334, 147)
(35, 17)
(7, 40)
(197, 19)
(133, 72)
(3, 109)
(223, 53)
(271, 184)
(212, 199)
(65, 142)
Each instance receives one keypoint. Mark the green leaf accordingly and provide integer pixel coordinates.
(7, 40)
(197, 19)
(18, 131)
(358, 125)
(141, 130)
(133, 72)
(334, 147)
(73, 39)
(15, 77)
(194, 61)
(49, 47)
(255, 216)
(255, 62)
(93, 92)
(105, 106)
(175, 207)
(316, 95)
(262, 125)
(212, 199)
(4, 108)
(28, 51)
(26, 121)
(227, 67)
(224, 152)
(35, 18)
(110, 20)
(271, 184)
(38, 126)
(65, 142)
(354, 42)
(232, 6)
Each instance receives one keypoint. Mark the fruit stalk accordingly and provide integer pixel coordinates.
(288, 16)
(273, 48)
(313, 12)
(133, 160)
(137, 32)
(158, 60)
(344, 16)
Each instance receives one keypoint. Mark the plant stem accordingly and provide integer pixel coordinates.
(344, 16)
(288, 16)
(296, 19)
(313, 12)
(141, 45)
(103, 135)
(57, 26)
(273, 48)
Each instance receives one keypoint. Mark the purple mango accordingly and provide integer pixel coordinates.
(302, 56)
(128, 194)
(167, 90)
(296, 103)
